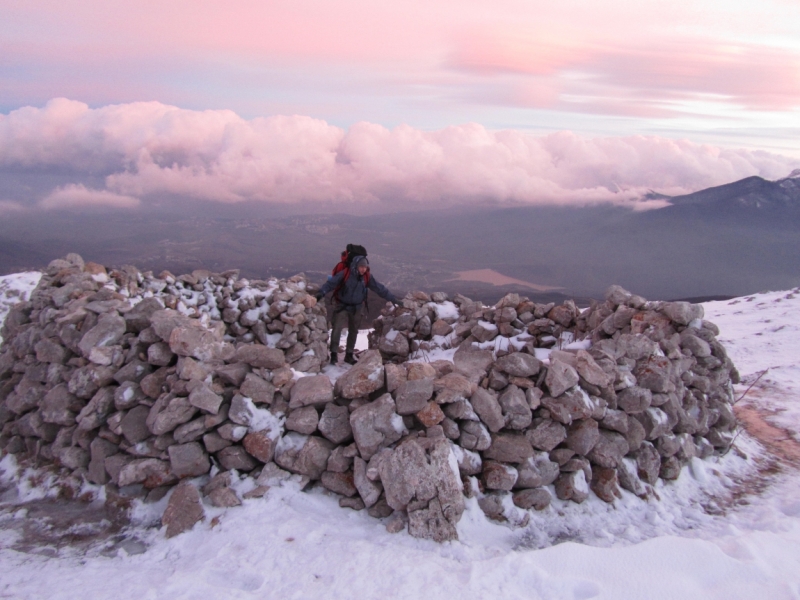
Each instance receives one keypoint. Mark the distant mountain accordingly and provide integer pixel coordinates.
(747, 195)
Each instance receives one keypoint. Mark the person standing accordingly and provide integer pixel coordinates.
(349, 287)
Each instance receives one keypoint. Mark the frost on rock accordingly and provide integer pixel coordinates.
(127, 377)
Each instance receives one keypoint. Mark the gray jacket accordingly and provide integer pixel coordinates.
(353, 291)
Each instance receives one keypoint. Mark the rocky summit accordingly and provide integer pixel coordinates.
(151, 385)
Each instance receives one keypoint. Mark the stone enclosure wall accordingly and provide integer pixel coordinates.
(139, 383)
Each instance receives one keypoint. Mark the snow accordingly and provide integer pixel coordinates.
(445, 310)
(696, 542)
(16, 288)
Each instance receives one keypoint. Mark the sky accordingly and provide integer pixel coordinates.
(112, 103)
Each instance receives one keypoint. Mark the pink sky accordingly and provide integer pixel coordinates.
(724, 76)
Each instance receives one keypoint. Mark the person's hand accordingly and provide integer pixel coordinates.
(396, 302)
(319, 296)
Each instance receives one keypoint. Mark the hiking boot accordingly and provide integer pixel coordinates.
(334, 359)
(349, 358)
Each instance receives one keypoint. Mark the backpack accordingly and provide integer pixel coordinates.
(350, 252)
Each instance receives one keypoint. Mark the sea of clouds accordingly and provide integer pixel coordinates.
(144, 149)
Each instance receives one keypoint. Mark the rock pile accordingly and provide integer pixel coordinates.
(618, 395)
(140, 382)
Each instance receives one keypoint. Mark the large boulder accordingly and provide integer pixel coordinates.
(363, 378)
(376, 425)
(418, 477)
(311, 391)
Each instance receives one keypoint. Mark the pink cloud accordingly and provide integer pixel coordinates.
(78, 196)
(150, 149)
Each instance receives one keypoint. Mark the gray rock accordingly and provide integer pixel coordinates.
(100, 450)
(376, 425)
(204, 398)
(72, 457)
(546, 434)
(519, 364)
(198, 342)
(59, 406)
(654, 374)
(488, 409)
(159, 354)
(303, 420)
(670, 468)
(682, 313)
(648, 463)
(634, 400)
(538, 499)
(257, 389)
(609, 449)
(628, 477)
(635, 434)
(590, 371)
(605, 484)
(615, 420)
(509, 448)
(471, 361)
(151, 472)
(572, 405)
(394, 343)
(560, 377)
(474, 436)
(168, 412)
(413, 395)
(260, 445)
(338, 462)
(655, 423)
(232, 374)
(339, 483)
(469, 463)
(138, 318)
(236, 457)
(188, 460)
(696, 346)
(134, 371)
(94, 414)
(484, 331)
(128, 395)
(49, 351)
(537, 471)
(334, 423)
(184, 509)
(305, 455)
(370, 491)
(214, 442)
(223, 497)
(516, 408)
(109, 331)
(191, 431)
(461, 410)
(572, 486)
(635, 346)
(363, 378)
(311, 391)
(418, 473)
(582, 436)
(395, 375)
(134, 424)
(496, 476)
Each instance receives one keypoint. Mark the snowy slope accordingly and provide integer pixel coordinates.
(16, 288)
(700, 541)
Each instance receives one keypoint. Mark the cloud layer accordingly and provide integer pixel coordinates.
(148, 150)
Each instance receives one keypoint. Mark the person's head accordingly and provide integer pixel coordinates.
(362, 265)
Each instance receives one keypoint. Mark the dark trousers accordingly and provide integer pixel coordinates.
(344, 315)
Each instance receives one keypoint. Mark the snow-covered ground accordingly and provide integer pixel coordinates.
(16, 288)
(710, 536)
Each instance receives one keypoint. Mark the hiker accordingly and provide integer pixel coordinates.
(349, 286)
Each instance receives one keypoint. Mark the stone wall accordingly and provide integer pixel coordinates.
(139, 382)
